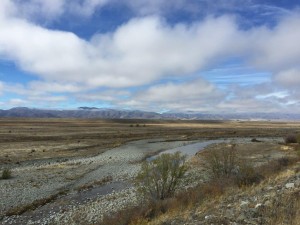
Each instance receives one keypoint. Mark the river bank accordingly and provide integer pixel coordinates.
(79, 186)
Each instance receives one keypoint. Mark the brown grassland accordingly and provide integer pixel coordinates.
(38, 153)
(30, 139)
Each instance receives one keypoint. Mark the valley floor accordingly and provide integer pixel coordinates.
(77, 172)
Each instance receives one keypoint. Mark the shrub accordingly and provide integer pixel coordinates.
(254, 140)
(6, 174)
(298, 150)
(247, 175)
(291, 138)
(222, 163)
(283, 161)
(159, 178)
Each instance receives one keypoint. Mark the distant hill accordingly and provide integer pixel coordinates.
(93, 112)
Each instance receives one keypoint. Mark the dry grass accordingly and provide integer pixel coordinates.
(150, 211)
(285, 209)
(51, 138)
(206, 197)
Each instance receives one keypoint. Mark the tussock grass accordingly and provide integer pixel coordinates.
(291, 138)
(284, 209)
(6, 174)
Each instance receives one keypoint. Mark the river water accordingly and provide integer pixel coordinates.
(191, 149)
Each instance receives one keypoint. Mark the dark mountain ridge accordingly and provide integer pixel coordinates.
(93, 112)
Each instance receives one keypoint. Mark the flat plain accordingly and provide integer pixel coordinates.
(31, 139)
(64, 170)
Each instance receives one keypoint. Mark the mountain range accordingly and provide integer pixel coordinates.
(93, 112)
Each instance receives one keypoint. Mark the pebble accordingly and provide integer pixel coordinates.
(290, 185)
(258, 205)
(244, 203)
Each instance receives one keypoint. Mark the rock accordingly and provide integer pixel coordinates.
(268, 203)
(241, 218)
(258, 205)
(290, 185)
(208, 217)
(244, 203)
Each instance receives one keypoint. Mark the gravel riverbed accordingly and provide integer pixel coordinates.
(41, 179)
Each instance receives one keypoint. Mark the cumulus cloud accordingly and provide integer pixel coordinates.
(143, 51)
(276, 48)
(137, 53)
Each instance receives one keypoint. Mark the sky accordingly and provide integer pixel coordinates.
(210, 56)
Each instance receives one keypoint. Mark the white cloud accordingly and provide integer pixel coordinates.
(15, 102)
(47, 99)
(142, 52)
(289, 78)
(112, 95)
(54, 87)
(192, 95)
(139, 52)
(144, 49)
(171, 92)
(276, 48)
(1, 87)
(49, 10)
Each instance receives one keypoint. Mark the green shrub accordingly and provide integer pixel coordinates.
(6, 174)
(159, 178)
